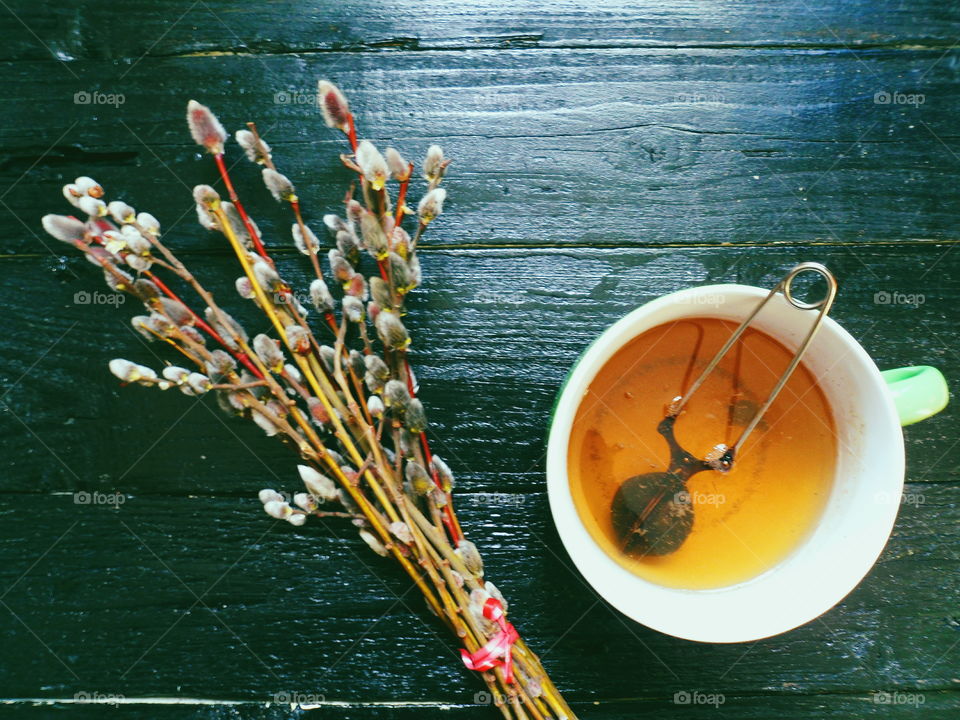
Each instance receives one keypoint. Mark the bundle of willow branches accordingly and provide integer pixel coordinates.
(351, 413)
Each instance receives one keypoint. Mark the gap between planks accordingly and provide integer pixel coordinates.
(620, 247)
(111, 700)
(532, 42)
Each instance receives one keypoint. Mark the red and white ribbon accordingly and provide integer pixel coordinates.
(498, 650)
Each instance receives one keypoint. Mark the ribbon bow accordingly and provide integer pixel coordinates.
(499, 646)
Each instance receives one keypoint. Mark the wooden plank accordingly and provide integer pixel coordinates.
(85, 30)
(299, 601)
(614, 147)
(106, 600)
(626, 125)
(939, 705)
(494, 332)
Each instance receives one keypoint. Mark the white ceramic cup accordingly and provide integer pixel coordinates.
(855, 523)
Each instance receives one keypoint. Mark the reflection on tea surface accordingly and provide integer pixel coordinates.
(744, 521)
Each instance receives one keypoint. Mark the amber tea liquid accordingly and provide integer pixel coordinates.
(745, 521)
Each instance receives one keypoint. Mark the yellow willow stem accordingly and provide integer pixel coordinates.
(317, 378)
(165, 339)
(301, 361)
(526, 661)
(321, 385)
(241, 254)
(342, 433)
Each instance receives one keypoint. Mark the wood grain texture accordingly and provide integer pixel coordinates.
(204, 597)
(89, 30)
(495, 333)
(560, 147)
(605, 155)
(498, 331)
(936, 705)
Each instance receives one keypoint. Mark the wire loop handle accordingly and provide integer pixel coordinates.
(785, 286)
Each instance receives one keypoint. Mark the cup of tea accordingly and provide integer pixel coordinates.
(797, 519)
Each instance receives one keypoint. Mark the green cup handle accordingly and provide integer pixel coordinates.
(918, 392)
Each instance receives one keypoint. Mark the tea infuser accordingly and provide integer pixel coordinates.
(652, 513)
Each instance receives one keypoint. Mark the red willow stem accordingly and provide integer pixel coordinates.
(202, 324)
(351, 132)
(295, 206)
(198, 321)
(449, 519)
(254, 236)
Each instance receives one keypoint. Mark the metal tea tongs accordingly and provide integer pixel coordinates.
(652, 513)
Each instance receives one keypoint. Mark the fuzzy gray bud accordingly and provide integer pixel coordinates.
(415, 419)
(320, 296)
(391, 331)
(279, 186)
(396, 395)
(205, 128)
(64, 228)
(307, 246)
(268, 351)
(471, 557)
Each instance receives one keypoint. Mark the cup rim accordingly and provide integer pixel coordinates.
(671, 610)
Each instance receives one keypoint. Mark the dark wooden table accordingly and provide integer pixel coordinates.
(604, 155)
